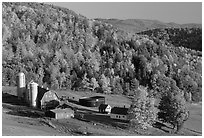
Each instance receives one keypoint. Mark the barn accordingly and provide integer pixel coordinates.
(60, 113)
(95, 101)
(119, 113)
(104, 108)
(47, 99)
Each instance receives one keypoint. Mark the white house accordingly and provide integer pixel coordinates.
(104, 108)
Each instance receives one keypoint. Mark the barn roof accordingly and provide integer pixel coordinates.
(42, 91)
(119, 110)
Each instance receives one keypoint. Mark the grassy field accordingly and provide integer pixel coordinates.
(18, 119)
(112, 100)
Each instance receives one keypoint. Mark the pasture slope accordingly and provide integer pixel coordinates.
(19, 120)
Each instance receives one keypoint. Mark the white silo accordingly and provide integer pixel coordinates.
(28, 92)
(33, 94)
(21, 85)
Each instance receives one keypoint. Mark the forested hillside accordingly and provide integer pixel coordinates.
(186, 37)
(58, 48)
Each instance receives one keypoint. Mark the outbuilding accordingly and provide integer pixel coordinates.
(59, 113)
(104, 108)
(119, 113)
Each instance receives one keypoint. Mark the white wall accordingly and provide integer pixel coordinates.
(108, 109)
(117, 116)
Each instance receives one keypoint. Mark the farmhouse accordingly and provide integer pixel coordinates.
(119, 113)
(104, 108)
(47, 99)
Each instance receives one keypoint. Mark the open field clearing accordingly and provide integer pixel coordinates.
(18, 118)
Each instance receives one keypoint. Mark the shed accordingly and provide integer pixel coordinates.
(119, 113)
(104, 108)
(59, 113)
(47, 99)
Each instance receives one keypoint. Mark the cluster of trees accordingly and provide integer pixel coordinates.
(61, 49)
(186, 37)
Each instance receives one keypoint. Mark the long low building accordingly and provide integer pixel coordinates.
(94, 101)
(119, 113)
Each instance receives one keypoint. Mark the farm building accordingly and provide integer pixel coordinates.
(60, 113)
(119, 113)
(34, 95)
(21, 85)
(104, 108)
(95, 101)
(31, 94)
(47, 99)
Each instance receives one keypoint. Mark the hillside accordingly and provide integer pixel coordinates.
(186, 37)
(60, 49)
(138, 25)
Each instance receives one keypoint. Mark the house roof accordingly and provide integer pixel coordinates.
(64, 105)
(59, 110)
(103, 106)
(119, 110)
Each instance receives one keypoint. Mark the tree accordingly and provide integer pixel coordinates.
(163, 85)
(61, 79)
(142, 113)
(54, 72)
(134, 84)
(118, 56)
(94, 83)
(126, 89)
(197, 95)
(117, 89)
(40, 75)
(6, 33)
(104, 82)
(141, 70)
(173, 110)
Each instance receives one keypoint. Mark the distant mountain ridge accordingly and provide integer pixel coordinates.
(138, 25)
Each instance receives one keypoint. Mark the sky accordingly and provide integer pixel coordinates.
(178, 12)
